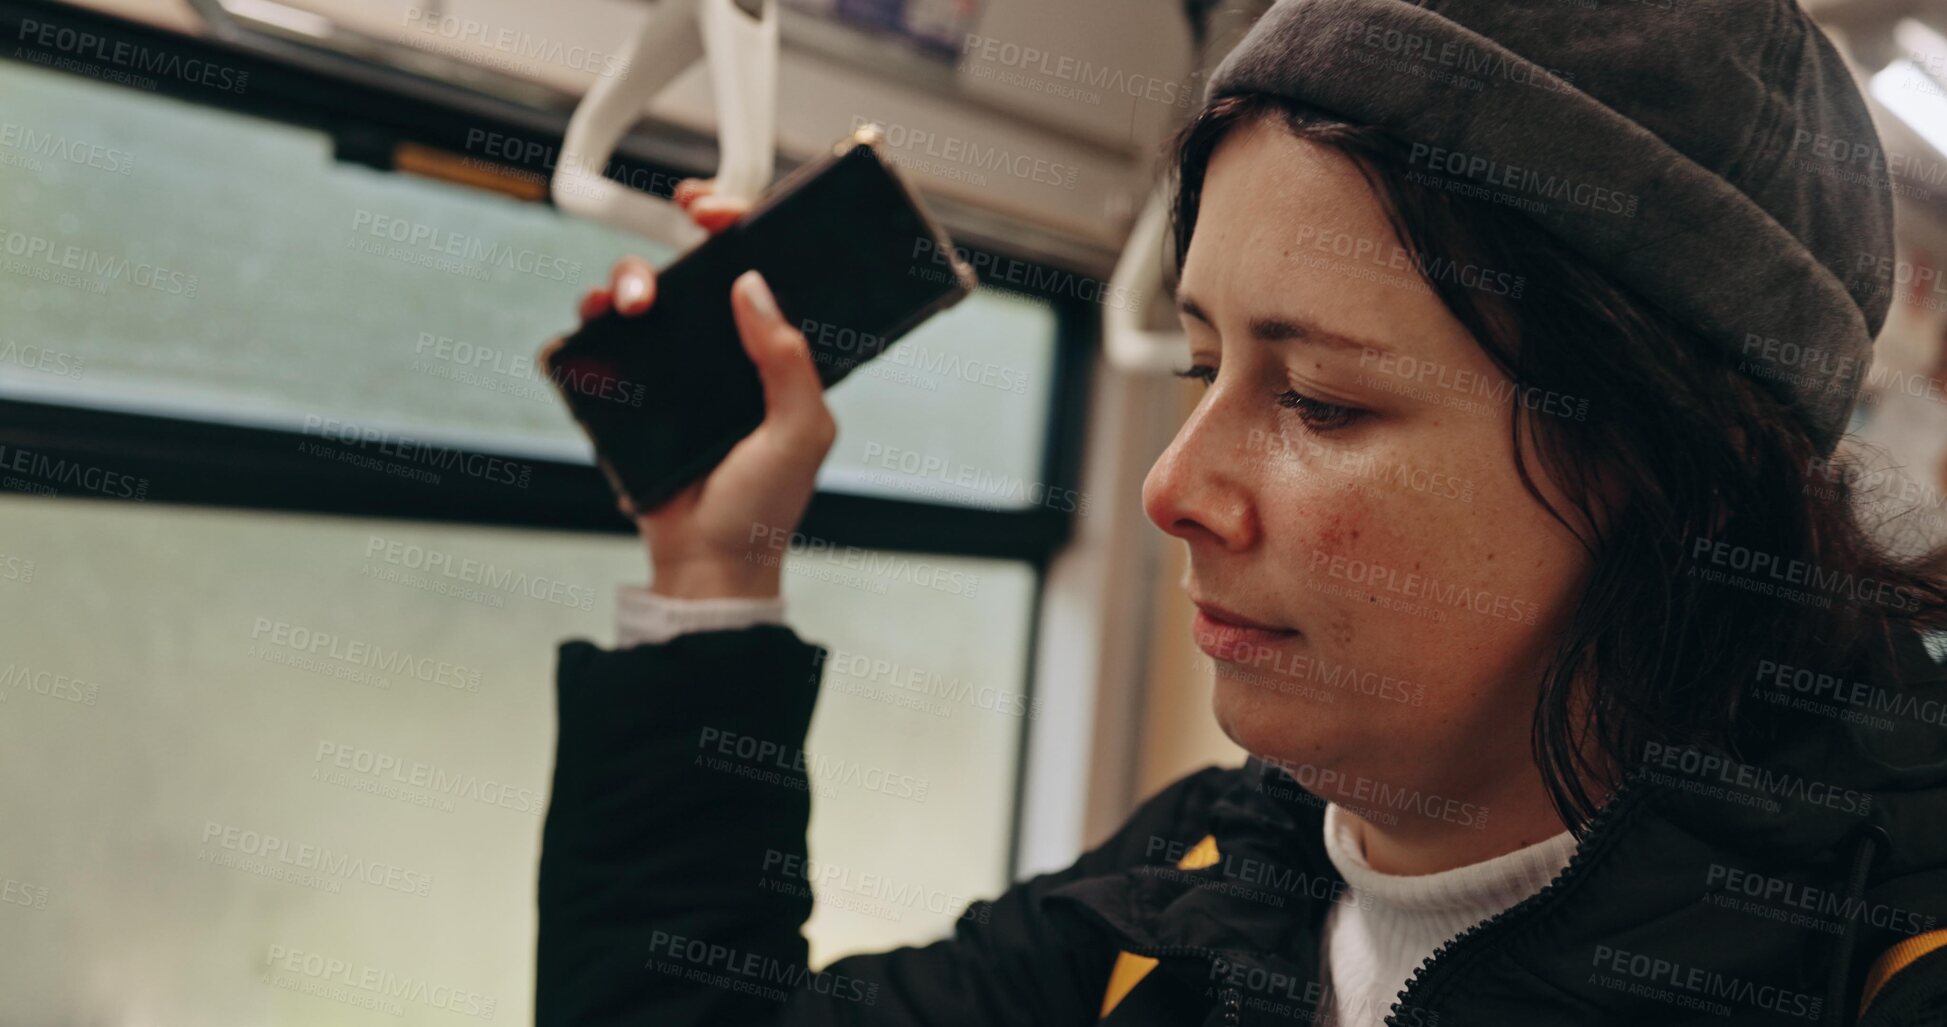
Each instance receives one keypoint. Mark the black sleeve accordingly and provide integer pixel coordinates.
(679, 777)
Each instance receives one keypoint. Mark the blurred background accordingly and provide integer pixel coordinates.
(289, 529)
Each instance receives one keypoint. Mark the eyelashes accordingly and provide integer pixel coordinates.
(1316, 414)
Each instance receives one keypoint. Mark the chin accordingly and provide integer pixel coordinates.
(1294, 726)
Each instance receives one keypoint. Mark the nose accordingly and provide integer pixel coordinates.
(1198, 489)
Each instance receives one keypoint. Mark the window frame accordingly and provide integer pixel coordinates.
(369, 110)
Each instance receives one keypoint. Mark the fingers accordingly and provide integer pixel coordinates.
(794, 398)
(547, 351)
(711, 212)
(689, 190)
(716, 213)
(633, 283)
(594, 303)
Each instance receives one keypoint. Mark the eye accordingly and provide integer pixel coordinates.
(1318, 415)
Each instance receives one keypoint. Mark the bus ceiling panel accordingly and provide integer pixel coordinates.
(1033, 126)
(173, 15)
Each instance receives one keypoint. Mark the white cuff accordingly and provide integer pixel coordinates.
(645, 618)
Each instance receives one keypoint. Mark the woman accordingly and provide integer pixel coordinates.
(1575, 691)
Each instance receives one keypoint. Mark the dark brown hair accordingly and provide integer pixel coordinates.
(1700, 455)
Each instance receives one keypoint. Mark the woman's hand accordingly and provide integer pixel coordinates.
(724, 535)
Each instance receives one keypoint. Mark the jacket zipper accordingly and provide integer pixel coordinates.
(1226, 998)
(1431, 968)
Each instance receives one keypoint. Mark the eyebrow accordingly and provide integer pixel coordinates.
(1283, 329)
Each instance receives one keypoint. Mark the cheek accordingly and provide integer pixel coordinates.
(1321, 525)
(1339, 526)
(1312, 515)
(1419, 583)
(1476, 592)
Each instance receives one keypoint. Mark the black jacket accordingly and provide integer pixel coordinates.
(1707, 892)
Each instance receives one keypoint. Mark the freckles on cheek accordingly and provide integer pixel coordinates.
(1338, 630)
(1336, 528)
(1353, 536)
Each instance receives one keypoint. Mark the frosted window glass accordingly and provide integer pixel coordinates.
(162, 711)
(164, 257)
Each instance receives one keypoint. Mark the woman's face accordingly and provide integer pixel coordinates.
(1378, 591)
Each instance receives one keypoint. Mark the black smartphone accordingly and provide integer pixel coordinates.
(855, 262)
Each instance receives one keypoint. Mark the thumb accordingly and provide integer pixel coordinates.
(793, 393)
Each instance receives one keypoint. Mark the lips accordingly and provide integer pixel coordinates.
(1232, 637)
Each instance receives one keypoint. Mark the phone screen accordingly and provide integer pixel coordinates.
(854, 264)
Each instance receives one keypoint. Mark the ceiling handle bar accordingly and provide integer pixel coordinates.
(741, 52)
(1130, 342)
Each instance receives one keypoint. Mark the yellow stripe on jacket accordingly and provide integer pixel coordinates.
(1895, 959)
(1130, 968)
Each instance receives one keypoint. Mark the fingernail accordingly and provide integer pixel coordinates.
(631, 293)
(758, 294)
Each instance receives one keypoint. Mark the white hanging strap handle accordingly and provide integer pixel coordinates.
(741, 51)
(1130, 344)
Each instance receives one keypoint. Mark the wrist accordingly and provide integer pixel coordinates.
(644, 618)
(754, 578)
